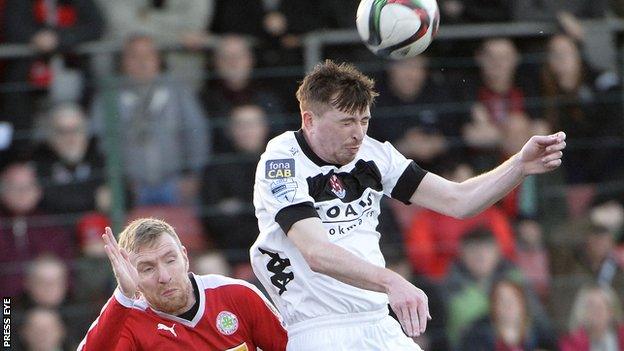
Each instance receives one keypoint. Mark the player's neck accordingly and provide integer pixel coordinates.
(190, 301)
(315, 148)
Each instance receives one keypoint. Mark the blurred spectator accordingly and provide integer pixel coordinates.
(532, 255)
(227, 192)
(246, 130)
(588, 111)
(25, 231)
(596, 321)
(508, 326)
(470, 279)
(593, 260)
(433, 240)
(46, 283)
(181, 22)
(161, 128)
(43, 330)
(500, 124)
(211, 262)
(50, 27)
(69, 165)
(409, 112)
(234, 62)
(92, 271)
(607, 211)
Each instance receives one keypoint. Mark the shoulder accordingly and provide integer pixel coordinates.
(280, 157)
(233, 287)
(281, 145)
(376, 150)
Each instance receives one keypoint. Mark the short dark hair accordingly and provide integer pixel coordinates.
(478, 235)
(341, 86)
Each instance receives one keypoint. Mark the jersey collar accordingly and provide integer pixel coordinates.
(307, 150)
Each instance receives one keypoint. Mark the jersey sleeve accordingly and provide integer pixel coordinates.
(282, 190)
(400, 176)
(108, 331)
(268, 330)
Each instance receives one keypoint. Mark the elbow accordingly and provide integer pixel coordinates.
(461, 203)
(312, 256)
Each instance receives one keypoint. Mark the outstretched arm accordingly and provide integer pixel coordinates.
(408, 302)
(541, 154)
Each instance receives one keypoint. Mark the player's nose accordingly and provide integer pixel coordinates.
(164, 276)
(358, 132)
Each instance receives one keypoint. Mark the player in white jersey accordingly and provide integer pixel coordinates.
(317, 194)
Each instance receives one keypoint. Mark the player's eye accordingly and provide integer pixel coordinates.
(171, 260)
(147, 269)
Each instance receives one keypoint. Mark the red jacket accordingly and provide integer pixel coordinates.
(232, 315)
(432, 240)
(579, 340)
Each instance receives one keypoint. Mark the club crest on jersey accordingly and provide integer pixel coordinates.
(227, 322)
(337, 187)
(284, 190)
(278, 169)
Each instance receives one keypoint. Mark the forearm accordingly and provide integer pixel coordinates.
(481, 192)
(330, 259)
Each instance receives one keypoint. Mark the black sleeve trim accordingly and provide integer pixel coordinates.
(292, 214)
(408, 183)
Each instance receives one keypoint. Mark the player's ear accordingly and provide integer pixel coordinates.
(185, 256)
(307, 119)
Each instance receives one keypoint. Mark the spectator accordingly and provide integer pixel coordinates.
(184, 23)
(43, 330)
(228, 187)
(69, 164)
(25, 231)
(532, 256)
(592, 261)
(585, 110)
(433, 240)
(234, 62)
(50, 27)
(508, 327)
(595, 322)
(409, 114)
(470, 279)
(212, 262)
(500, 123)
(162, 129)
(46, 283)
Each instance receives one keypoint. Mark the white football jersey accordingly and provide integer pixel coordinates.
(292, 183)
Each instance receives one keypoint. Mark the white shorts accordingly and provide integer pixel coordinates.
(372, 331)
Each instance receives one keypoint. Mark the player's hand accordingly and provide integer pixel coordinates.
(410, 304)
(542, 153)
(125, 273)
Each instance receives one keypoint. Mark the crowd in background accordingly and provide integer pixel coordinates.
(185, 127)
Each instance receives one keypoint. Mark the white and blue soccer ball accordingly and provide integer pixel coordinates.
(397, 28)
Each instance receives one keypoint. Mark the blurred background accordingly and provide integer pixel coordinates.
(116, 109)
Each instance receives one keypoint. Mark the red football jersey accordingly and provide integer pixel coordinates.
(232, 315)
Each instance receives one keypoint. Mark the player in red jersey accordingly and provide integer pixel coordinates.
(160, 305)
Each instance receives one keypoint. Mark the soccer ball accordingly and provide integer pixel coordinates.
(397, 28)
